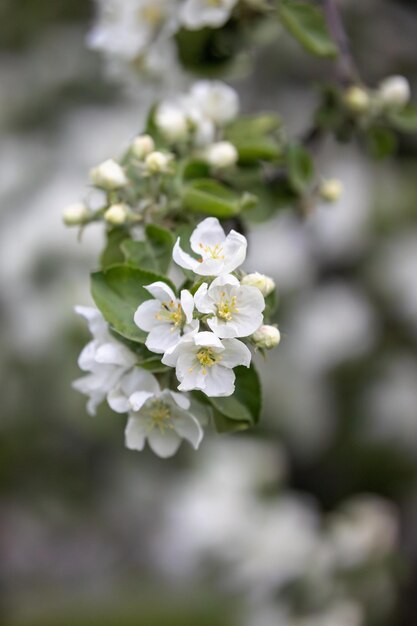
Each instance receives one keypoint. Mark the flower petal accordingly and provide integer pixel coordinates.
(135, 433)
(164, 444)
(161, 291)
(138, 399)
(207, 339)
(145, 316)
(188, 428)
(162, 337)
(203, 303)
(219, 381)
(187, 305)
(208, 233)
(235, 353)
(180, 399)
(234, 251)
(114, 353)
(183, 259)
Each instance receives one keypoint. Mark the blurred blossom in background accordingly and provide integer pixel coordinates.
(309, 520)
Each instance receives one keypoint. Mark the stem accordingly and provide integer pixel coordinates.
(346, 64)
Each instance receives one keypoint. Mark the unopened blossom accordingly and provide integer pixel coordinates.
(205, 362)
(108, 175)
(164, 419)
(104, 358)
(171, 120)
(222, 154)
(142, 146)
(216, 100)
(394, 91)
(196, 14)
(265, 284)
(166, 318)
(157, 162)
(117, 214)
(357, 99)
(234, 310)
(266, 337)
(331, 190)
(217, 253)
(75, 214)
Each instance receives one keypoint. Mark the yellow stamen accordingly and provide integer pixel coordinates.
(215, 252)
(226, 308)
(171, 312)
(160, 416)
(207, 358)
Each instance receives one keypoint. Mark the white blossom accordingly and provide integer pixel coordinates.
(109, 175)
(171, 120)
(196, 14)
(235, 310)
(331, 189)
(116, 214)
(265, 284)
(157, 162)
(75, 214)
(216, 100)
(142, 146)
(218, 254)
(394, 91)
(266, 337)
(222, 154)
(357, 99)
(205, 362)
(105, 358)
(166, 318)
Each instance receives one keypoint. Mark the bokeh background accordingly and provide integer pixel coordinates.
(311, 519)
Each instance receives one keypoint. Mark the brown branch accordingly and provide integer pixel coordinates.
(346, 65)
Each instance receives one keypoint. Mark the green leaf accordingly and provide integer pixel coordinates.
(300, 168)
(195, 168)
(252, 150)
(112, 252)
(307, 24)
(249, 134)
(153, 254)
(252, 126)
(242, 409)
(211, 198)
(405, 120)
(381, 142)
(117, 292)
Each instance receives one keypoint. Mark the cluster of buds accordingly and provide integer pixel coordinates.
(393, 93)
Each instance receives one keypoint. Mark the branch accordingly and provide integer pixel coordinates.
(347, 68)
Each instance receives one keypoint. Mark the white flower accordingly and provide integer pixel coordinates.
(222, 154)
(157, 162)
(75, 214)
(331, 189)
(166, 318)
(265, 284)
(218, 254)
(357, 99)
(171, 120)
(142, 146)
(266, 337)
(394, 91)
(196, 14)
(105, 358)
(204, 362)
(116, 214)
(109, 175)
(216, 100)
(236, 309)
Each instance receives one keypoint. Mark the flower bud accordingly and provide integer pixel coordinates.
(357, 99)
(75, 214)
(142, 146)
(171, 122)
(108, 175)
(266, 337)
(157, 162)
(331, 190)
(116, 214)
(265, 284)
(394, 91)
(222, 154)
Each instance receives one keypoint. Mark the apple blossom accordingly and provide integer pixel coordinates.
(394, 91)
(266, 337)
(216, 100)
(196, 14)
(357, 99)
(171, 121)
(205, 362)
(166, 318)
(331, 189)
(219, 254)
(142, 146)
(234, 310)
(75, 214)
(116, 214)
(157, 162)
(222, 154)
(265, 284)
(108, 175)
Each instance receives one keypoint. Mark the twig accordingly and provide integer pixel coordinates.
(346, 64)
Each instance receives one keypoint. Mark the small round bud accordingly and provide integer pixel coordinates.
(222, 154)
(266, 337)
(357, 99)
(171, 121)
(331, 190)
(75, 214)
(108, 175)
(265, 284)
(394, 91)
(157, 162)
(116, 214)
(142, 146)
